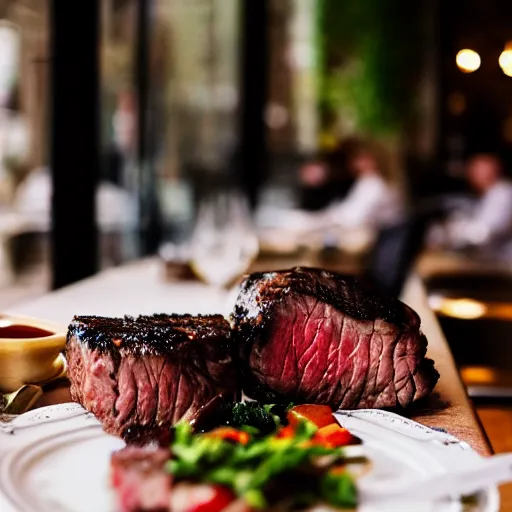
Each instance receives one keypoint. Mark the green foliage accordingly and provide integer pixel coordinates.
(248, 469)
(339, 489)
(265, 418)
(372, 54)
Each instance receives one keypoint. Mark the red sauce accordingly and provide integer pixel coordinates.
(23, 331)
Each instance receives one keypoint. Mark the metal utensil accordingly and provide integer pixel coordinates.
(489, 472)
(20, 401)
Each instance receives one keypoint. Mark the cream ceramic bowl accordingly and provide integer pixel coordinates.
(30, 351)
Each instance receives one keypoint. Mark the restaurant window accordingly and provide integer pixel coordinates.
(117, 198)
(291, 112)
(194, 94)
(25, 184)
(169, 102)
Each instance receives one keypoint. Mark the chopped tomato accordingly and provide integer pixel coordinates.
(218, 499)
(230, 434)
(285, 432)
(333, 436)
(319, 415)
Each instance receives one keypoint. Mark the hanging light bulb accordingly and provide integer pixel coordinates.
(505, 60)
(468, 60)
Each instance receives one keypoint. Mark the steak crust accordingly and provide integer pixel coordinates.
(309, 335)
(145, 374)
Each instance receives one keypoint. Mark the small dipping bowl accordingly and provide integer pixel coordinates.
(30, 351)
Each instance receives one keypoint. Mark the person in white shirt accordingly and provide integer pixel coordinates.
(372, 202)
(488, 225)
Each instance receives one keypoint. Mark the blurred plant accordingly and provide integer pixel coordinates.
(371, 54)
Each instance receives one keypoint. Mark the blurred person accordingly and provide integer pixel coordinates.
(315, 184)
(339, 160)
(122, 146)
(487, 225)
(372, 201)
(116, 210)
(14, 145)
(326, 178)
(32, 201)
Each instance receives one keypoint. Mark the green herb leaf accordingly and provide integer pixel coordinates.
(255, 499)
(222, 476)
(339, 489)
(305, 430)
(182, 433)
(253, 431)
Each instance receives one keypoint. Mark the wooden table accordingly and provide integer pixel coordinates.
(435, 263)
(449, 406)
(140, 288)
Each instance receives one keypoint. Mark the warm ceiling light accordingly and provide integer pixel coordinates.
(468, 61)
(505, 60)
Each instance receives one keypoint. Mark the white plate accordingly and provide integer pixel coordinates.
(60, 460)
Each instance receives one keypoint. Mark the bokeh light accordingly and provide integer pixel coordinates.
(468, 60)
(505, 60)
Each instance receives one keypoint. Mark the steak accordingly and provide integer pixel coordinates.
(139, 376)
(312, 336)
(141, 484)
(139, 480)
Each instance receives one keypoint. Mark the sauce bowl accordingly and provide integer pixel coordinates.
(30, 351)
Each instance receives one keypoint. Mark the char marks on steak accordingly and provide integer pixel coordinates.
(308, 335)
(144, 374)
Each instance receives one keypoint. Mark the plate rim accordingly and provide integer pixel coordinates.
(36, 447)
(443, 442)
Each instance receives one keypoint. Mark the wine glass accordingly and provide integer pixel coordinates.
(224, 243)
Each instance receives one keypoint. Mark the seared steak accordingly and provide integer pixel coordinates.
(309, 335)
(144, 374)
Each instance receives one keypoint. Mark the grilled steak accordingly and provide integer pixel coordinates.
(309, 335)
(139, 480)
(141, 375)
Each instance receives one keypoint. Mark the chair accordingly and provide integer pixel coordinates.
(395, 253)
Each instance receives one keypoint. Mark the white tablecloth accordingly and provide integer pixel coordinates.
(134, 289)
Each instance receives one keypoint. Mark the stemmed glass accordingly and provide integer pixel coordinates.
(224, 243)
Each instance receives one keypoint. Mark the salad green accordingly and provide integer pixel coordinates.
(258, 469)
(266, 418)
